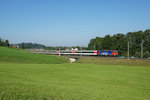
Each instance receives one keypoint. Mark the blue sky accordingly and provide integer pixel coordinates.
(70, 22)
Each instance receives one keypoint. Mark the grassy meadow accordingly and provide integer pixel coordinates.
(59, 80)
(12, 55)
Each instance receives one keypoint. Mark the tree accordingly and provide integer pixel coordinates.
(119, 43)
(1, 42)
(79, 48)
(135, 39)
(6, 43)
(98, 43)
(146, 38)
(23, 45)
(107, 43)
(91, 44)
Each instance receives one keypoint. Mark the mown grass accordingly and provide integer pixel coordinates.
(10, 55)
(74, 82)
(114, 61)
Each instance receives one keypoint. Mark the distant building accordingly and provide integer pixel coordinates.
(72, 49)
(15, 46)
(76, 49)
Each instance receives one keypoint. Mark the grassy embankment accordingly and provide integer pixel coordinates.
(71, 81)
(114, 61)
(8, 55)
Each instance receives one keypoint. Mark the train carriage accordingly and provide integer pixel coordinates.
(79, 52)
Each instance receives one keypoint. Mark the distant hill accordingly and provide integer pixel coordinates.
(11, 55)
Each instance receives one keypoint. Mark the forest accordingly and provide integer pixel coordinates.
(120, 42)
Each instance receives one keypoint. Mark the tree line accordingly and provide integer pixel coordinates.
(24, 45)
(65, 47)
(4, 42)
(119, 42)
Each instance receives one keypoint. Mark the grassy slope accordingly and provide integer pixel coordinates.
(74, 82)
(19, 56)
(112, 61)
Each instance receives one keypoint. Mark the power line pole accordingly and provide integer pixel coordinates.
(128, 51)
(81, 50)
(141, 49)
(59, 51)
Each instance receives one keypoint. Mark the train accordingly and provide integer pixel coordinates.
(80, 52)
(90, 52)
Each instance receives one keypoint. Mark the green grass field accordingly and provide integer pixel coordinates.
(21, 80)
(8, 55)
(114, 61)
(74, 82)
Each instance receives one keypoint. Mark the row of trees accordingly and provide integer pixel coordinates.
(4, 42)
(65, 47)
(41, 46)
(31, 46)
(119, 42)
